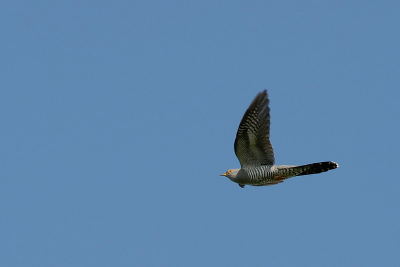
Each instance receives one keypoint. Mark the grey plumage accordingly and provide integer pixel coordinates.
(255, 153)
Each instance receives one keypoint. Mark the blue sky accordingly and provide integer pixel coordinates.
(117, 119)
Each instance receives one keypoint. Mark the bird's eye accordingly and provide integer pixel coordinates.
(230, 171)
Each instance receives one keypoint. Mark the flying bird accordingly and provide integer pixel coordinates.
(255, 153)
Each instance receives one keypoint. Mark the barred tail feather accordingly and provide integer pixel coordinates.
(316, 168)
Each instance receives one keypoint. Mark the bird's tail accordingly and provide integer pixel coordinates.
(314, 168)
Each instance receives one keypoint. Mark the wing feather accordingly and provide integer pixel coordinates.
(252, 144)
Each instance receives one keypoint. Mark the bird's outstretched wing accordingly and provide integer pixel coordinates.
(252, 144)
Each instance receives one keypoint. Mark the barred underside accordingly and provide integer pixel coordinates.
(268, 175)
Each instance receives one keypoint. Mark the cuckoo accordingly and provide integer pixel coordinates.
(255, 153)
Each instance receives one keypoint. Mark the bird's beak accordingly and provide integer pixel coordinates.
(223, 174)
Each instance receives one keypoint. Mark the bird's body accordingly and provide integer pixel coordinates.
(256, 155)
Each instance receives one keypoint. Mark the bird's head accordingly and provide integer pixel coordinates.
(231, 174)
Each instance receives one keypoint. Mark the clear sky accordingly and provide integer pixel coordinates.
(117, 118)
